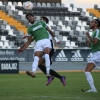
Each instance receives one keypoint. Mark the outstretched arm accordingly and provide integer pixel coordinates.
(25, 45)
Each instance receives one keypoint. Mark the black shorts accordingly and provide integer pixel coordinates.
(51, 52)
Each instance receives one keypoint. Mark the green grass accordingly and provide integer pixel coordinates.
(23, 87)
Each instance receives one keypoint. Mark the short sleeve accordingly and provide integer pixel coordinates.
(97, 34)
(43, 24)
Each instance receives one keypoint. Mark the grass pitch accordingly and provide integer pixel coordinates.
(23, 87)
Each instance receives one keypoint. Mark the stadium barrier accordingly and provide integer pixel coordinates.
(60, 55)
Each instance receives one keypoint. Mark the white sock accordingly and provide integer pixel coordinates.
(90, 80)
(47, 62)
(35, 64)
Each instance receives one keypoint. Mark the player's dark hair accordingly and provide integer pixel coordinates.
(97, 22)
(45, 19)
(29, 14)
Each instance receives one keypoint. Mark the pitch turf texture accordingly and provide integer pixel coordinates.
(23, 87)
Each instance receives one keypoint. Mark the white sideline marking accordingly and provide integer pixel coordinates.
(44, 96)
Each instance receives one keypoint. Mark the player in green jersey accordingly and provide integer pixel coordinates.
(42, 61)
(94, 43)
(37, 31)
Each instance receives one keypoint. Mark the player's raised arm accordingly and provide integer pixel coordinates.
(25, 45)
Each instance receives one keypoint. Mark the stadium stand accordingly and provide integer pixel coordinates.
(68, 23)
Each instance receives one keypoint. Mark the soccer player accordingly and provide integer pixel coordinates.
(41, 65)
(94, 42)
(37, 31)
(42, 61)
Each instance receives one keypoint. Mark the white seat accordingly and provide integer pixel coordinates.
(70, 9)
(87, 14)
(79, 23)
(13, 7)
(72, 44)
(48, 5)
(20, 13)
(82, 28)
(84, 10)
(57, 4)
(66, 18)
(8, 27)
(20, 4)
(3, 38)
(76, 18)
(44, 5)
(64, 28)
(10, 32)
(84, 23)
(64, 38)
(9, 3)
(68, 28)
(78, 28)
(51, 23)
(6, 44)
(1, 3)
(39, 4)
(67, 44)
(1, 44)
(60, 23)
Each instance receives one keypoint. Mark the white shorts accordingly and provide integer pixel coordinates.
(42, 44)
(95, 59)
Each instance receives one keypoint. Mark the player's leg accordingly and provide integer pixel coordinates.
(92, 62)
(89, 77)
(52, 73)
(37, 55)
(47, 48)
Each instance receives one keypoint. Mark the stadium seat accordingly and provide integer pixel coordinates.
(20, 4)
(48, 5)
(8, 27)
(72, 44)
(6, 44)
(67, 44)
(57, 4)
(10, 32)
(53, 4)
(9, 3)
(44, 5)
(1, 44)
(3, 38)
(64, 38)
(39, 4)
(15, 4)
